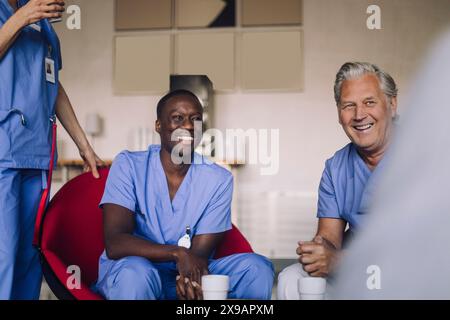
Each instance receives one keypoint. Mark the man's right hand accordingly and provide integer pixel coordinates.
(36, 10)
(318, 257)
(191, 268)
(187, 289)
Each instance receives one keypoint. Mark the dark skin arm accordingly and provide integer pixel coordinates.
(118, 227)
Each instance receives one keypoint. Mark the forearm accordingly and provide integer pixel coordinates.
(125, 244)
(203, 245)
(66, 114)
(9, 33)
(332, 241)
(332, 230)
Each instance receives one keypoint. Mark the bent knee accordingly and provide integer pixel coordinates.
(137, 269)
(290, 273)
(258, 269)
(138, 279)
(257, 263)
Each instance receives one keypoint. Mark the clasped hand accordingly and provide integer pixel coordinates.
(191, 268)
(36, 10)
(318, 257)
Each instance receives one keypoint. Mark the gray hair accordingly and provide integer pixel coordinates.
(354, 70)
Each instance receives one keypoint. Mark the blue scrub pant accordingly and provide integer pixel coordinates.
(20, 269)
(136, 278)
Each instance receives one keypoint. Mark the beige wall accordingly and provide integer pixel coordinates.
(334, 32)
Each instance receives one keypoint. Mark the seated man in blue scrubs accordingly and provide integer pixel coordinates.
(165, 212)
(366, 99)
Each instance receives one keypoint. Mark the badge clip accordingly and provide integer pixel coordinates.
(185, 241)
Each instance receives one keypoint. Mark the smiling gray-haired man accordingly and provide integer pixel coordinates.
(366, 99)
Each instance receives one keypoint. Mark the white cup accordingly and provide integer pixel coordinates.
(215, 287)
(312, 288)
(55, 20)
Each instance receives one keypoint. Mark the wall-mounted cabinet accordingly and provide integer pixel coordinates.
(143, 14)
(271, 60)
(142, 64)
(271, 12)
(262, 51)
(207, 53)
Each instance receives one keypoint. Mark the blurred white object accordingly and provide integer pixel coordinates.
(142, 138)
(60, 148)
(403, 252)
(215, 287)
(312, 288)
(93, 124)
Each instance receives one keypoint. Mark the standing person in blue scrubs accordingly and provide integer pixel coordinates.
(31, 97)
(165, 212)
(366, 99)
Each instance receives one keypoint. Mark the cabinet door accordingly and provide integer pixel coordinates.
(142, 64)
(143, 14)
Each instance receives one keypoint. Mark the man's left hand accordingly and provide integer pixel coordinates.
(187, 289)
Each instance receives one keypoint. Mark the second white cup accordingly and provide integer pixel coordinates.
(312, 288)
(215, 287)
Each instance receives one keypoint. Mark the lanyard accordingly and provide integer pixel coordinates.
(45, 193)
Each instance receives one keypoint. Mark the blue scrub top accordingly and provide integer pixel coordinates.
(137, 182)
(27, 100)
(342, 190)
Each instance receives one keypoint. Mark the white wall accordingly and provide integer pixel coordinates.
(334, 32)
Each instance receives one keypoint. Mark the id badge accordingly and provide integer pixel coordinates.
(185, 241)
(50, 73)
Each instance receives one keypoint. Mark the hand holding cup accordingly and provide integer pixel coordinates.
(36, 10)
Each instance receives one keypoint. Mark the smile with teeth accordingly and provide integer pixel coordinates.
(185, 138)
(363, 127)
